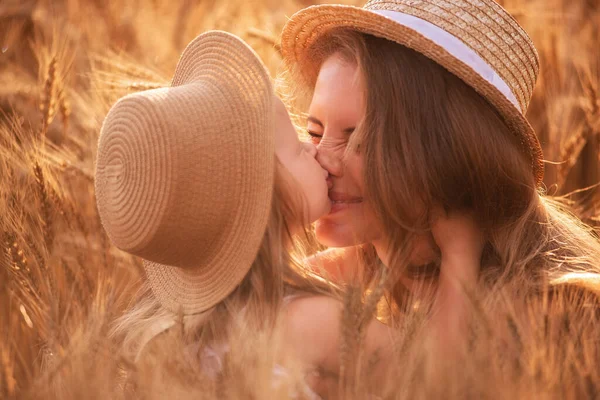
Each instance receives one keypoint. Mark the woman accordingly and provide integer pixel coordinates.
(419, 106)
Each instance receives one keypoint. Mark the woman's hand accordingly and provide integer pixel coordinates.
(461, 243)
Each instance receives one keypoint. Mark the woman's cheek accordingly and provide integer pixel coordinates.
(354, 169)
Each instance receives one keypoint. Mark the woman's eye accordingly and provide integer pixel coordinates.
(315, 138)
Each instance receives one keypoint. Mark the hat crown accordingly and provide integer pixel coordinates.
(486, 28)
(179, 169)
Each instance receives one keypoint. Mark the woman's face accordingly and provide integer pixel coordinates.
(300, 161)
(336, 109)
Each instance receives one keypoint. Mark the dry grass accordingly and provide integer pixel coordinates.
(61, 283)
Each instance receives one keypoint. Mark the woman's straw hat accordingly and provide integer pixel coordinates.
(476, 40)
(185, 174)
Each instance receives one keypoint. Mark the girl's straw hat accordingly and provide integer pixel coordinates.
(185, 174)
(477, 40)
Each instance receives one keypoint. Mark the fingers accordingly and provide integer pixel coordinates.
(457, 233)
(461, 243)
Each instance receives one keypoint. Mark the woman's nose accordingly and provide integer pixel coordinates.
(330, 162)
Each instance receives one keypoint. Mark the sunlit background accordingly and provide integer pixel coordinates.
(64, 62)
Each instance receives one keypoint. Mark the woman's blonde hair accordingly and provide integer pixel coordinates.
(429, 139)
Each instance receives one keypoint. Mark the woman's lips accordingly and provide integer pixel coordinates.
(342, 201)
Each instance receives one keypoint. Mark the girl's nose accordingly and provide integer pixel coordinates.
(311, 149)
(330, 162)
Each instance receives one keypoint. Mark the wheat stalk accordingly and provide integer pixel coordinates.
(15, 253)
(28, 282)
(139, 86)
(266, 37)
(570, 153)
(73, 281)
(572, 149)
(351, 339)
(65, 111)
(46, 207)
(47, 103)
(10, 382)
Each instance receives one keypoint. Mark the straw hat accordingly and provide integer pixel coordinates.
(476, 40)
(184, 174)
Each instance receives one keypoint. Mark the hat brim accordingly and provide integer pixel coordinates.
(222, 57)
(307, 26)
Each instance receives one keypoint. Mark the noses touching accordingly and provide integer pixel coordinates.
(314, 152)
(331, 164)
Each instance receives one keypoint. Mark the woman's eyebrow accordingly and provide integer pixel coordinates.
(349, 131)
(315, 121)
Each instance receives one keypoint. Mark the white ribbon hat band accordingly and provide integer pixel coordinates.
(455, 47)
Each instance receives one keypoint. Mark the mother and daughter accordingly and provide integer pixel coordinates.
(421, 167)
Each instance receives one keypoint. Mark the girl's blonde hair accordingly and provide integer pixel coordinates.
(254, 305)
(429, 139)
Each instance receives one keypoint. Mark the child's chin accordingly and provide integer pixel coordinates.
(321, 210)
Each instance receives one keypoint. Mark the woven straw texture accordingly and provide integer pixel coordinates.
(184, 175)
(483, 25)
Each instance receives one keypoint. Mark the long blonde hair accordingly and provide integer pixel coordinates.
(429, 139)
(254, 305)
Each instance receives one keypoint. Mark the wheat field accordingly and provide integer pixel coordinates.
(64, 62)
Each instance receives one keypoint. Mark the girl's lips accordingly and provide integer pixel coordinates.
(329, 182)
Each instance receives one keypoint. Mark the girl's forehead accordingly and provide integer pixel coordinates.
(285, 134)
